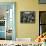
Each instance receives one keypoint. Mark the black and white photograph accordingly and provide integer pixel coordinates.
(27, 17)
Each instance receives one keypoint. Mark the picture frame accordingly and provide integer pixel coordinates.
(42, 1)
(27, 16)
(7, 13)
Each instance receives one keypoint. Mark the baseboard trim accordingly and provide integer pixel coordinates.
(24, 39)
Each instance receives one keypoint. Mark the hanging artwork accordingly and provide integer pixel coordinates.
(7, 20)
(27, 17)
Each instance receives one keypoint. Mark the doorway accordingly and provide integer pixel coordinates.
(42, 22)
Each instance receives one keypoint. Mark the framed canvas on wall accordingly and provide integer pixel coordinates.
(27, 17)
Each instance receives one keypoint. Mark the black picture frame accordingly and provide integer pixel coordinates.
(27, 16)
(42, 1)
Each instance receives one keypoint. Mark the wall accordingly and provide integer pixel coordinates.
(27, 30)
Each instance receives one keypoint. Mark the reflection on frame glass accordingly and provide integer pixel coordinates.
(2, 23)
(27, 17)
(7, 22)
(2, 30)
(9, 34)
(2, 35)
